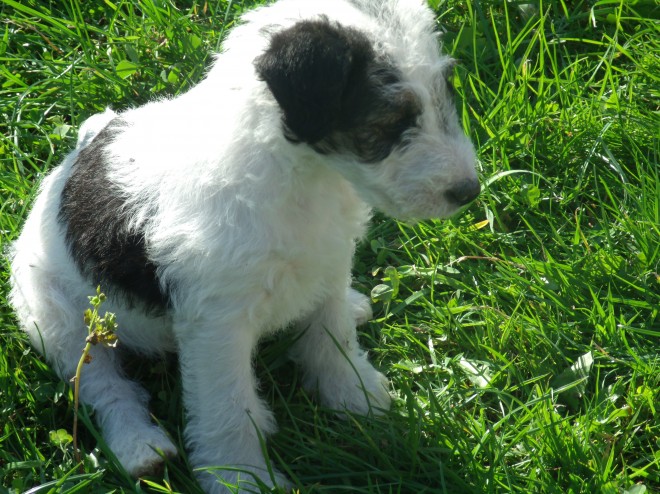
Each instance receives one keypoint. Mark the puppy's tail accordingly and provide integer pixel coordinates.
(92, 126)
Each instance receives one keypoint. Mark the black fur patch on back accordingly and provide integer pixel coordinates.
(93, 212)
(335, 93)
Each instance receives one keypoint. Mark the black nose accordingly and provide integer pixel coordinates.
(464, 191)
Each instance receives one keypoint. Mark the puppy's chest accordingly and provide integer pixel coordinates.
(310, 264)
(289, 289)
(306, 264)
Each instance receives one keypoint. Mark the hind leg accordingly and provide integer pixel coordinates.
(120, 405)
(55, 326)
(121, 410)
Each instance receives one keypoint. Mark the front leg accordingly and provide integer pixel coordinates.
(332, 360)
(226, 420)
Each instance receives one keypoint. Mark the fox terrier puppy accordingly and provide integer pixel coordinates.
(231, 211)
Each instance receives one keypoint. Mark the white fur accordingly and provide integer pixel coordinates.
(256, 233)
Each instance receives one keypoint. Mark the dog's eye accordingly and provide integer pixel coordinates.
(408, 109)
(403, 124)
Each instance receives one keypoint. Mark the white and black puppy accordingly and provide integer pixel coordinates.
(232, 211)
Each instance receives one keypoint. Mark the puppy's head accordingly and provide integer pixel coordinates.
(390, 127)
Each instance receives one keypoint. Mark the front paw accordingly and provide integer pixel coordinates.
(360, 306)
(360, 389)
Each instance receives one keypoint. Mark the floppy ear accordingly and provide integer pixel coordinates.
(308, 68)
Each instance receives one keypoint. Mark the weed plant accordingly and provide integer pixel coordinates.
(521, 338)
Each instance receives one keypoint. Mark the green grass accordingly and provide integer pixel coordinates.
(522, 338)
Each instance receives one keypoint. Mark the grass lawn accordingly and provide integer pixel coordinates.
(522, 338)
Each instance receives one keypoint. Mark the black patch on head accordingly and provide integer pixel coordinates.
(334, 92)
(100, 241)
(383, 115)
